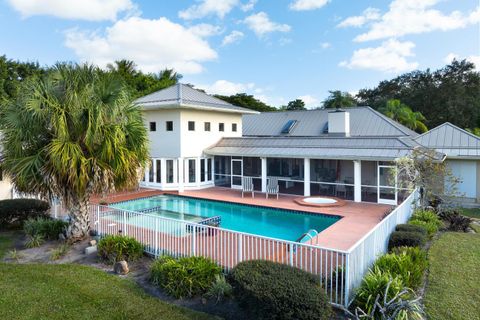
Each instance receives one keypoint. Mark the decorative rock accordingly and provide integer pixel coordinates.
(90, 250)
(92, 243)
(121, 267)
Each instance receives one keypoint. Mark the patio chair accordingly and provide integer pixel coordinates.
(247, 186)
(272, 187)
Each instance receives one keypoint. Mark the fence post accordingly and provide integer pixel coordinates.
(194, 240)
(290, 251)
(240, 247)
(156, 237)
(97, 208)
(125, 223)
(347, 280)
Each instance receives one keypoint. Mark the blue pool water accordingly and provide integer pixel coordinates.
(269, 222)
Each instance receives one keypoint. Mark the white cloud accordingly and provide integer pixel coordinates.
(325, 45)
(369, 14)
(409, 17)
(391, 56)
(474, 59)
(227, 88)
(232, 37)
(208, 7)
(92, 10)
(153, 45)
(305, 5)
(205, 30)
(310, 101)
(261, 24)
(249, 5)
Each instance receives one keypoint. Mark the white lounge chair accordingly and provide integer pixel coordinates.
(247, 186)
(272, 187)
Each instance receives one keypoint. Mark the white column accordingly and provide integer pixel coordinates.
(306, 177)
(197, 171)
(163, 172)
(264, 174)
(181, 172)
(357, 180)
(154, 164)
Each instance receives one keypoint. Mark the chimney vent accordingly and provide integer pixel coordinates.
(339, 122)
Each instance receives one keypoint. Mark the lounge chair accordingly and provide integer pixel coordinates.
(247, 186)
(272, 187)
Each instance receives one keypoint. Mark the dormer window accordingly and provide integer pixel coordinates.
(288, 127)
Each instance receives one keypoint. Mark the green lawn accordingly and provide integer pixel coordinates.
(471, 212)
(453, 290)
(78, 292)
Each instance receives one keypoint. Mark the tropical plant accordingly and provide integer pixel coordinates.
(34, 241)
(114, 248)
(59, 251)
(184, 277)
(220, 289)
(426, 219)
(455, 220)
(402, 113)
(73, 133)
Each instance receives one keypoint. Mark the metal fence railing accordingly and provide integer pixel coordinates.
(339, 272)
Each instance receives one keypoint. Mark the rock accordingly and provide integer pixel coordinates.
(121, 267)
(92, 243)
(61, 237)
(90, 250)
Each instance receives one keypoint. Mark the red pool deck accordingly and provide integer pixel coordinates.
(357, 218)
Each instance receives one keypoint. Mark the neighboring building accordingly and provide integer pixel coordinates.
(199, 141)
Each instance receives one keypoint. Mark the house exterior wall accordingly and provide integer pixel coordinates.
(164, 143)
(466, 171)
(478, 181)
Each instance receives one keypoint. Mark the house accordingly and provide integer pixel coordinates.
(198, 141)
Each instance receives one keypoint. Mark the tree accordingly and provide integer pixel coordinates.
(294, 105)
(73, 133)
(475, 131)
(13, 73)
(339, 99)
(449, 94)
(246, 101)
(402, 113)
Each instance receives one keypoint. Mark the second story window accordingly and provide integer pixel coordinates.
(234, 127)
(207, 126)
(153, 126)
(191, 125)
(221, 127)
(169, 125)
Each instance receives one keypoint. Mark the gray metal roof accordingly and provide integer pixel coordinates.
(184, 96)
(353, 148)
(364, 121)
(452, 141)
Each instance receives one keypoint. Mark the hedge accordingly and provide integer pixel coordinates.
(406, 239)
(17, 211)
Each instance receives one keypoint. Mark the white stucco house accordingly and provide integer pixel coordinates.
(199, 141)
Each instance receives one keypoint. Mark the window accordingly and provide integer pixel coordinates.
(191, 125)
(153, 126)
(221, 127)
(288, 127)
(169, 165)
(209, 170)
(202, 170)
(207, 126)
(191, 170)
(169, 125)
(150, 171)
(159, 171)
(234, 127)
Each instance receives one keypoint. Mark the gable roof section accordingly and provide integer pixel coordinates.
(451, 140)
(364, 121)
(352, 148)
(183, 96)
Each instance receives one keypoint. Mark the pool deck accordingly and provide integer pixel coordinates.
(357, 218)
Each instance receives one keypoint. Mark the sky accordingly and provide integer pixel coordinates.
(277, 50)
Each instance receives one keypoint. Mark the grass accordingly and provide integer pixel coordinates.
(67, 291)
(453, 289)
(5, 244)
(471, 212)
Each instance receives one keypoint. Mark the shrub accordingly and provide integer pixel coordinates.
(375, 284)
(17, 211)
(408, 263)
(411, 228)
(220, 289)
(430, 227)
(455, 221)
(115, 248)
(184, 277)
(46, 228)
(406, 239)
(34, 241)
(60, 251)
(271, 290)
(427, 216)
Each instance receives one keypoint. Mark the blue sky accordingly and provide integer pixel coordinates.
(277, 50)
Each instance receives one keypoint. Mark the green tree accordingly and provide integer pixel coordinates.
(13, 73)
(294, 105)
(475, 131)
(451, 93)
(402, 113)
(71, 134)
(339, 99)
(246, 101)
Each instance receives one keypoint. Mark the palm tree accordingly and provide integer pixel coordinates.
(402, 113)
(71, 134)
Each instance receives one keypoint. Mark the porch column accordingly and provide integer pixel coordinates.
(154, 168)
(163, 172)
(197, 171)
(357, 180)
(306, 177)
(181, 172)
(264, 174)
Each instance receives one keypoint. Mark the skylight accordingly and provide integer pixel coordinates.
(287, 128)
(325, 128)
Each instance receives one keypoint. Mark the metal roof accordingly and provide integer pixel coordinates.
(184, 96)
(348, 148)
(364, 121)
(451, 140)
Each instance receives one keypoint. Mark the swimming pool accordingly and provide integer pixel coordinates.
(269, 222)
